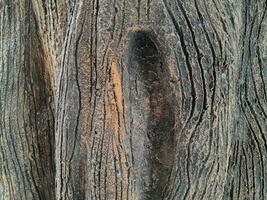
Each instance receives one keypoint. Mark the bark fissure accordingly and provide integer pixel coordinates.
(133, 99)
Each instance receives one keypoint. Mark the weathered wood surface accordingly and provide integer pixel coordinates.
(133, 100)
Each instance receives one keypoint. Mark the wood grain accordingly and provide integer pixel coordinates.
(133, 99)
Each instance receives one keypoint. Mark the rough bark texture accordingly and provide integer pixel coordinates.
(133, 100)
(26, 118)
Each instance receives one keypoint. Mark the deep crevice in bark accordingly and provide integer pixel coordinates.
(154, 100)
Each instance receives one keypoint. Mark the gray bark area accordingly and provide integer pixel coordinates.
(133, 100)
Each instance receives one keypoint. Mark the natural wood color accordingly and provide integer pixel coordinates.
(136, 100)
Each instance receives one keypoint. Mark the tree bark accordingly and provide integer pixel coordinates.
(26, 125)
(133, 100)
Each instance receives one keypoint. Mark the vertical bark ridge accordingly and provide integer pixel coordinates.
(26, 126)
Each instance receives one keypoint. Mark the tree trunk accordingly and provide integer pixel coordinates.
(133, 100)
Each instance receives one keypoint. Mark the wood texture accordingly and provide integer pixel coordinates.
(133, 100)
(26, 117)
